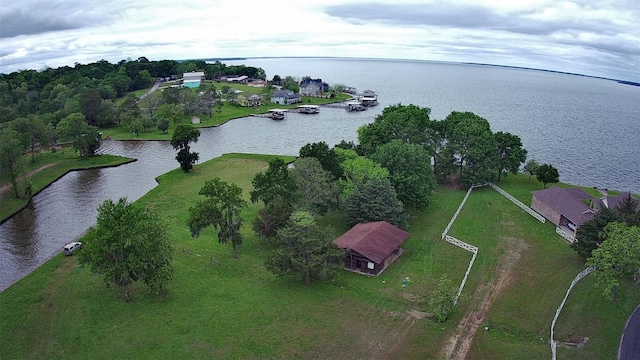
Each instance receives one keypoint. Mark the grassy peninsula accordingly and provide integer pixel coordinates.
(47, 168)
(221, 307)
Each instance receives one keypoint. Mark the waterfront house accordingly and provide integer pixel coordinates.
(193, 79)
(251, 100)
(371, 247)
(324, 87)
(570, 208)
(311, 89)
(566, 208)
(285, 97)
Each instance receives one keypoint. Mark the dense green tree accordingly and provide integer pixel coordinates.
(473, 145)
(357, 171)
(617, 257)
(11, 156)
(275, 183)
(317, 191)
(628, 210)
(375, 200)
(108, 114)
(291, 83)
(345, 145)
(85, 138)
(326, 156)
(128, 244)
(589, 234)
(221, 210)
(171, 95)
(163, 125)
(32, 133)
(547, 174)
(305, 251)
(409, 123)
(531, 167)
(90, 102)
(410, 171)
(272, 218)
(169, 112)
(136, 127)
(442, 299)
(182, 136)
(511, 154)
(142, 80)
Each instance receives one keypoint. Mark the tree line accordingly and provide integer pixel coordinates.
(71, 104)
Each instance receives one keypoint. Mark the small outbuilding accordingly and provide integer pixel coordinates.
(371, 247)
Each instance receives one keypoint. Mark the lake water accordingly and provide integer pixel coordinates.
(588, 128)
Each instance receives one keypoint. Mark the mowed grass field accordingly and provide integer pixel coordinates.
(219, 307)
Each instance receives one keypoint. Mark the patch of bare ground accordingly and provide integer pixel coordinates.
(373, 333)
(458, 345)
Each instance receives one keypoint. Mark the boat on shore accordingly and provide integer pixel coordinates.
(355, 106)
(277, 114)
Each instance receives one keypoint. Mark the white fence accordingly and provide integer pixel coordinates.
(565, 235)
(518, 202)
(455, 216)
(467, 247)
(579, 277)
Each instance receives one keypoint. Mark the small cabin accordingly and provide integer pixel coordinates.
(371, 247)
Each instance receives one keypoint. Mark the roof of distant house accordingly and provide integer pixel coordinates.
(615, 201)
(374, 240)
(284, 94)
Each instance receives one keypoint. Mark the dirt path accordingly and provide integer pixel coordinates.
(7, 187)
(459, 344)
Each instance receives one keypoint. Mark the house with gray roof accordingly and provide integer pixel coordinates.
(570, 208)
(285, 97)
(310, 89)
(567, 208)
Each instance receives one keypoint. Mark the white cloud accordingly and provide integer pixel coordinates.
(593, 38)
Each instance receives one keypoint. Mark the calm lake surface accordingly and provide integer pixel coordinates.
(588, 128)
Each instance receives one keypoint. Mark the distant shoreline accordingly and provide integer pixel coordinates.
(625, 82)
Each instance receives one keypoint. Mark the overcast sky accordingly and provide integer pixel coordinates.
(591, 37)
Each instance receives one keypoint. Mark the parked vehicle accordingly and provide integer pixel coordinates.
(71, 247)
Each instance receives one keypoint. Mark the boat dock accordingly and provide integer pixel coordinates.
(275, 114)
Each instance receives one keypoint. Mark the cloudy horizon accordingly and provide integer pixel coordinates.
(590, 38)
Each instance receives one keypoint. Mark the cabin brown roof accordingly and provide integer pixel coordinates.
(375, 240)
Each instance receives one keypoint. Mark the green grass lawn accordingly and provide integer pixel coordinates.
(53, 166)
(234, 309)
